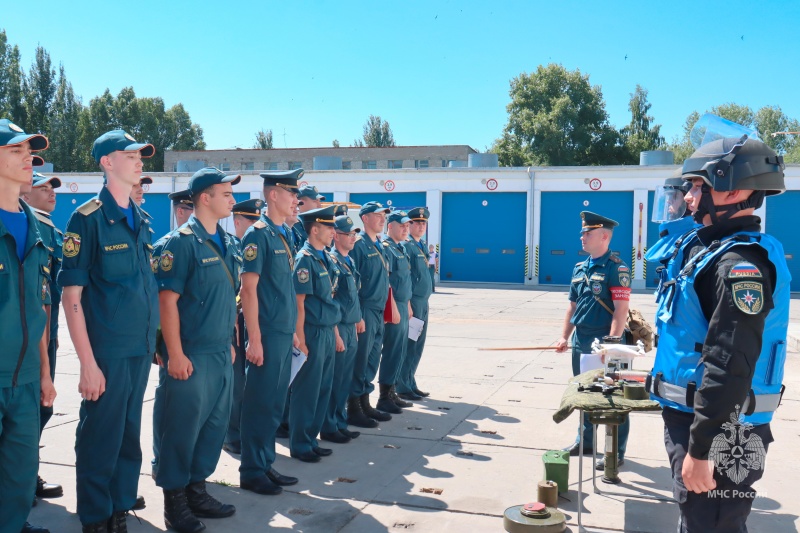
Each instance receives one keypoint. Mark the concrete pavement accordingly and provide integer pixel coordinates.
(457, 460)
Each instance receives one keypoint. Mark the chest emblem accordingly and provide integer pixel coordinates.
(597, 287)
(72, 244)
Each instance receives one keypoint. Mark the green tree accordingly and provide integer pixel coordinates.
(377, 133)
(556, 117)
(263, 139)
(336, 143)
(65, 116)
(40, 92)
(4, 58)
(641, 134)
(15, 89)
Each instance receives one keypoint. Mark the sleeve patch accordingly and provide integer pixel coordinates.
(744, 270)
(625, 280)
(748, 296)
(250, 252)
(302, 275)
(620, 293)
(72, 244)
(167, 260)
(623, 268)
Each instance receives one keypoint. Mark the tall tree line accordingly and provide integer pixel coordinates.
(43, 100)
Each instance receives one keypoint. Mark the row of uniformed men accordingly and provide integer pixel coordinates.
(311, 302)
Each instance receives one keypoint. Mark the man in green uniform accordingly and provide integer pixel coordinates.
(368, 257)
(245, 214)
(182, 206)
(598, 305)
(421, 289)
(270, 312)
(309, 198)
(198, 279)
(334, 427)
(137, 191)
(315, 281)
(25, 381)
(110, 300)
(395, 339)
(42, 199)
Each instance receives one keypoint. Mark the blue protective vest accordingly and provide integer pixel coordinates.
(677, 370)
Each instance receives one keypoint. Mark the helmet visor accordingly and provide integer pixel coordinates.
(668, 204)
(710, 128)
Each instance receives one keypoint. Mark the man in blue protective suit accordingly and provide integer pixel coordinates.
(724, 317)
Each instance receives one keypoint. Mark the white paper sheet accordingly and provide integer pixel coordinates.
(415, 328)
(590, 361)
(298, 360)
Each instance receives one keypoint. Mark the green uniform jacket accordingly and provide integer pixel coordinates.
(374, 270)
(54, 239)
(421, 284)
(268, 253)
(207, 280)
(114, 266)
(317, 279)
(347, 292)
(597, 278)
(23, 291)
(400, 270)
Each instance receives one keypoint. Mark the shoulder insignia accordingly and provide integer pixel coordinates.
(145, 213)
(87, 208)
(44, 219)
(359, 238)
(185, 230)
(748, 296)
(260, 224)
(333, 258)
(386, 244)
(615, 259)
(305, 252)
(579, 263)
(744, 270)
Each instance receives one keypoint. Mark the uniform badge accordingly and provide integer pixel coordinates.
(625, 280)
(167, 260)
(349, 221)
(250, 252)
(44, 289)
(748, 296)
(302, 275)
(14, 127)
(130, 137)
(623, 268)
(744, 270)
(154, 263)
(72, 244)
(597, 288)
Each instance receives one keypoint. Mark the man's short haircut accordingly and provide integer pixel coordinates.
(208, 190)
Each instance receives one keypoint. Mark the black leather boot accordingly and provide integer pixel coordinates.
(385, 402)
(204, 505)
(397, 400)
(118, 523)
(96, 527)
(356, 416)
(371, 412)
(177, 514)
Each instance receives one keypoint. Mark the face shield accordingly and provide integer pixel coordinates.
(668, 204)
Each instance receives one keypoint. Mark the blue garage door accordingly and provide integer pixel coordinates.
(483, 237)
(781, 224)
(560, 243)
(159, 206)
(395, 200)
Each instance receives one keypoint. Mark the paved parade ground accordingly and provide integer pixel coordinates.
(457, 460)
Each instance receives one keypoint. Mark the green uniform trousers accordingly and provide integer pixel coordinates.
(195, 420)
(265, 391)
(406, 381)
(108, 457)
(19, 453)
(311, 389)
(394, 347)
(336, 413)
(368, 354)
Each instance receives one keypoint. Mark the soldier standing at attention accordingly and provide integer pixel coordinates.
(198, 279)
(25, 382)
(137, 191)
(42, 199)
(111, 304)
(245, 214)
(368, 256)
(318, 314)
(182, 206)
(309, 198)
(334, 428)
(395, 339)
(598, 307)
(421, 289)
(270, 311)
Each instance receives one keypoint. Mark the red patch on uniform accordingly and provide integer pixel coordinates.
(621, 293)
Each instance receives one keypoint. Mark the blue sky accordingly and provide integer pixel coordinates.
(437, 71)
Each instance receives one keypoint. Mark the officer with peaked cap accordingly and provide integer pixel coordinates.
(109, 288)
(395, 339)
(25, 381)
(421, 288)
(334, 427)
(316, 279)
(598, 305)
(270, 311)
(310, 198)
(245, 214)
(720, 359)
(368, 256)
(41, 197)
(182, 206)
(198, 279)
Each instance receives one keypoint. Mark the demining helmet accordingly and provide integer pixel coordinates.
(730, 157)
(668, 201)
